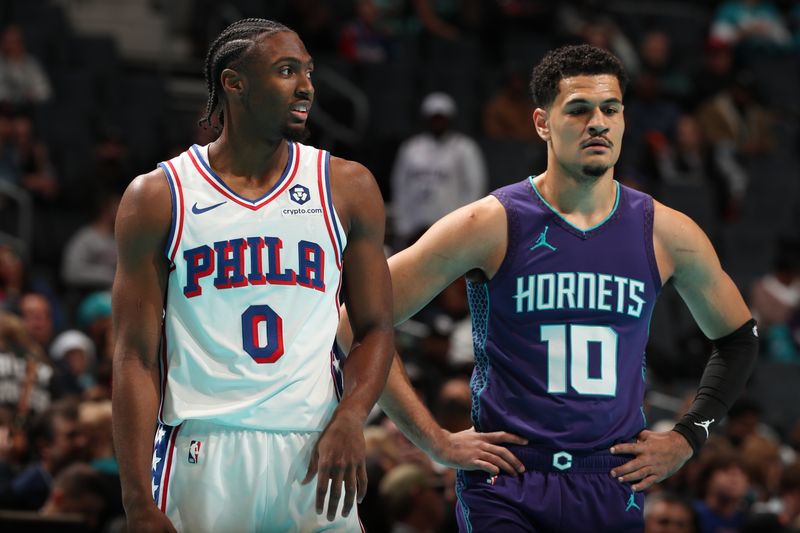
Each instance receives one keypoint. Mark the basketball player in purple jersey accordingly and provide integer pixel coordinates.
(563, 272)
(240, 382)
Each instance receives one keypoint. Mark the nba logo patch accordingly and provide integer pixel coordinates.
(299, 194)
(194, 452)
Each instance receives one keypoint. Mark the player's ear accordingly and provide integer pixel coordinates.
(540, 121)
(233, 82)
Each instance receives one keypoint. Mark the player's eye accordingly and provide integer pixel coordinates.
(285, 71)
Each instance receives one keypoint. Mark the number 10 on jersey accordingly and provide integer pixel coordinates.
(568, 346)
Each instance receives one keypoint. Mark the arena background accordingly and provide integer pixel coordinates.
(712, 130)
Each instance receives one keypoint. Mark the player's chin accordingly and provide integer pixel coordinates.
(594, 170)
(296, 132)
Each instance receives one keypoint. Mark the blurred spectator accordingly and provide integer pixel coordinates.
(12, 278)
(25, 373)
(95, 420)
(794, 24)
(37, 317)
(73, 354)
(665, 512)
(314, 20)
(446, 20)
(775, 299)
(723, 488)
(8, 165)
(738, 128)
(446, 345)
(32, 160)
(750, 23)
(686, 160)
(414, 499)
(452, 409)
(743, 420)
(24, 388)
(112, 165)
(365, 39)
(761, 461)
(658, 62)
(22, 79)
(509, 112)
(783, 514)
(90, 255)
(436, 171)
(78, 490)
(57, 441)
(94, 317)
(588, 21)
(95, 423)
(381, 456)
(716, 72)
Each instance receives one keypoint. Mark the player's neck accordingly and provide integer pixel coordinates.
(584, 203)
(236, 155)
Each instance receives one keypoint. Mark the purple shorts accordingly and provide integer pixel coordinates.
(558, 492)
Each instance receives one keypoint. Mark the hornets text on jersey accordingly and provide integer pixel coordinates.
(560, 330)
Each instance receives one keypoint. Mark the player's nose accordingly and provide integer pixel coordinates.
(305, 89)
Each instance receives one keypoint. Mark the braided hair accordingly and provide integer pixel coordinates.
(227, 51)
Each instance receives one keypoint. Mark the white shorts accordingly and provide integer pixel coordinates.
(208, 477)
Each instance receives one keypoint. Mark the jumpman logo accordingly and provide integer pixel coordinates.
(542, 241)
(632, 503)
(705, 425)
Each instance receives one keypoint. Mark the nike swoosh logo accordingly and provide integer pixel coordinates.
(200, 210)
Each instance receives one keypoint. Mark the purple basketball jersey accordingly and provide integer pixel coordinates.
(560, 330)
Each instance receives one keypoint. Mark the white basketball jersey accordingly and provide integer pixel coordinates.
(252, 301)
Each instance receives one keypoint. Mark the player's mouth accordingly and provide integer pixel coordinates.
(596, 143)
(300, 110)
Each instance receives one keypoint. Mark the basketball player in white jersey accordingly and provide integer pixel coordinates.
(231, 262)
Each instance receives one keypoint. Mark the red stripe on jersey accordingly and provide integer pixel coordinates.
(179, 222)
(163, 373)
(165, 483)
(324, 203)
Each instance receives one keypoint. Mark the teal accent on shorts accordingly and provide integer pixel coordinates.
(462, 505)
(632, 502)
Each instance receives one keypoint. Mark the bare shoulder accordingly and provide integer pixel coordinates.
(680, 244)
(348, 173)
(146, 205)
(356, 195)
(472, 237)
(487, 213)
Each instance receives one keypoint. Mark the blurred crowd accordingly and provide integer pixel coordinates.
(712, 130)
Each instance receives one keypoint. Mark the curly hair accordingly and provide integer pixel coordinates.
(569, 61)
(227, 51)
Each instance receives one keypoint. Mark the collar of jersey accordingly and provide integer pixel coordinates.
(199, 157)
(569, 226)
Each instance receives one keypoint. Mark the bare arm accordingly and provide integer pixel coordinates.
(138, 300)
(367, 291)
(685, 256)
(340, 452)
(471, 238)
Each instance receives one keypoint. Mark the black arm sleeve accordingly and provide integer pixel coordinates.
(723, 381)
